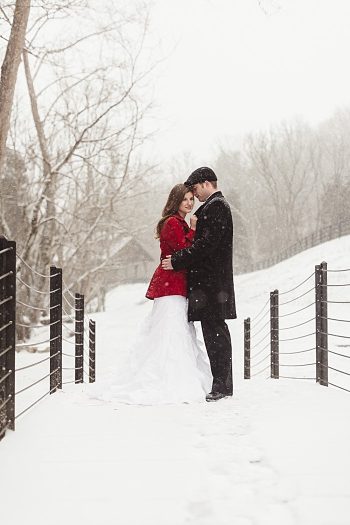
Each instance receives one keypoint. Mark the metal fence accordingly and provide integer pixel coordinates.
(327, 233)
(51, 334)
(304, 330)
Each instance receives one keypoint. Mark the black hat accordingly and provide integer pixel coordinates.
(201, 175)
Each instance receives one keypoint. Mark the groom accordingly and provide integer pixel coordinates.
(210, 277)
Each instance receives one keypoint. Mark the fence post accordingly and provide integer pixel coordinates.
(92, 351)
(318, 303)
(274, 334)
(324, 326)
(55, 328)
(247, 348)
(79, 338)
(7, 334)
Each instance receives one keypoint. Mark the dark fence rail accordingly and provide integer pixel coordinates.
(327, 233)
(59, 319)
(302, 322)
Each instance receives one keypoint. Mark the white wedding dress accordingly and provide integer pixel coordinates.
(167, 363)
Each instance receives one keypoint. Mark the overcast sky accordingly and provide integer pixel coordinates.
(237, 66)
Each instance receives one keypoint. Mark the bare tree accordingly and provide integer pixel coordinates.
(280, 164)
(8, 78)
(81, 153)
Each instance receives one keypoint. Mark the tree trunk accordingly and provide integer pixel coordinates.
(8, 78)
(48, 175)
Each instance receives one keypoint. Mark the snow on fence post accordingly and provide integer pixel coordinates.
(247, 348)
(324, 326)
(318, 299)
(92, 352)
(274, 334)
(55, 328)
(7, 334)
(79, 338)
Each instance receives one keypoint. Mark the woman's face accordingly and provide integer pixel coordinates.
(187, 203)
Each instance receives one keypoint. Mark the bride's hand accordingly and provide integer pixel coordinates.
(193, 222)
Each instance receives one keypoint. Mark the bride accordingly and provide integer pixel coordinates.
(167, 364)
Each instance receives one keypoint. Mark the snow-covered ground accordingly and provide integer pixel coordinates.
(277, 453)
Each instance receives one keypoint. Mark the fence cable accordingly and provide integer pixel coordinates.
(335, 369)
(4, 301)
(5, 326)
(71, 330)
(38, 325)
(68, 355)
(4, 275)
(67, 341)
(261, 371)
(298, 297)
(297, 311)
(37, 363)
(334, 285)
(35, 402)
(337, 353)
(263, 339)
(297, 325)
(336, 335)
(298, 351)
(46, 276)
(337, 386)
(260, 351)
(9, 249)
(262, 309)
(4, 403)
(298, 286)
(300, 364)
(87, 365)
(335, 319)
(69, 317)
(69, 304)
(36, 382)
(255, 324)
(259, 331)
(335, 302)
(3, 352)
(259, 362)
(302, 378)
(67, 289)
(30, 287)
(3, 378)
(33, 307)
(298, 337)
(337, 271)
(23, 345)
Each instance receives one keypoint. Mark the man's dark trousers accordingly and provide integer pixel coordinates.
(218, 344)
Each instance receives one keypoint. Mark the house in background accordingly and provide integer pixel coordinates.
(129, 262)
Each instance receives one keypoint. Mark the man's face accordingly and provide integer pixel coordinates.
(201, 191)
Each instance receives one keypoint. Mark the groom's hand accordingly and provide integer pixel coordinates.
(166, 263)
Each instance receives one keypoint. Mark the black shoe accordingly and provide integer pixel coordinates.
(215, 396)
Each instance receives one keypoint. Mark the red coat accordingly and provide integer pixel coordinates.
(174, 236)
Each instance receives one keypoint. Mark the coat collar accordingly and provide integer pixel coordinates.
(211, 197)
(178, 216)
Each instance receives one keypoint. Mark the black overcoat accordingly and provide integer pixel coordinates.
(209, 262)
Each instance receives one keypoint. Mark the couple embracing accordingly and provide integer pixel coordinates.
(193, 282)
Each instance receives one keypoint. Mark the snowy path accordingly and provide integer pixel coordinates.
(276, 454)
(239, 461)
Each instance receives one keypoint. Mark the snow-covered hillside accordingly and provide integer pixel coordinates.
(276, 453)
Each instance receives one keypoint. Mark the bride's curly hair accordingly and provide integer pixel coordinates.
(172, 205)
